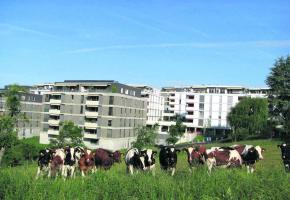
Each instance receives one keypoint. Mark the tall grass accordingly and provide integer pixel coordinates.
(268, 182)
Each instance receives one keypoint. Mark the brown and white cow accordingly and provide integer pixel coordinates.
(57, 163)
(87, 162)
(224, 158)
(250, 155)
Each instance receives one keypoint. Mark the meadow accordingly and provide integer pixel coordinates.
(268, 182)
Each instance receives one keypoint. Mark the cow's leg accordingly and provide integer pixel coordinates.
(72, 171)
(190, 168)
(210, 164)
(37, 173)
(248, 169)
(83, 173)
(173, 171)
(64, 171)
(131, 169)
(252, 169)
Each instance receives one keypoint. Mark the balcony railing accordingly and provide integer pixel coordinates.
(189, 108)
(52, 132)
(91, 125)
(189, 116)
(92, 103)
(91, 114)
(53, 122)
(54, 111)
(90, 136)
(55, 101)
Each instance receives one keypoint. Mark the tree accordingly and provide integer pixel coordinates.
(176, 131)
(248, 117)
(279, 97)
(8, 136)
(12, 95)
(146, 137)
(69, 135)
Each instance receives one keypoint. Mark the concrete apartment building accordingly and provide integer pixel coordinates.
(108, 112)
(31, 108)
(202, 107)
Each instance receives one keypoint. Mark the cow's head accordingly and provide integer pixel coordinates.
(149, 156)
(117, 156)
(78, 153)
(69, 153)
(260, 151)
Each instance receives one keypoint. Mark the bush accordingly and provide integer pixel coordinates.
(199, 138)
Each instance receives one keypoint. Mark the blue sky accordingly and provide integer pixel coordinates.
(160, 43)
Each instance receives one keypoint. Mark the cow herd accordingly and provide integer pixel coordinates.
(66, 161)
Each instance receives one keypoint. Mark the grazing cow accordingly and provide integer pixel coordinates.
(168, 158)
(250, 155)
(224, 158)
(57, 163)
(134, 160)
(87, 162)
(285, 154)
(44, 159)
(105, 158)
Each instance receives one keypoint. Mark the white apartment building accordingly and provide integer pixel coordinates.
(155, 104)
(203, 108)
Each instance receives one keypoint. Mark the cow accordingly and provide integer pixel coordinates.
(44, 160)
(168, 158)
(57, 163)
(87, 162)
(250, 155)
(191, 155)
(220, 157)
(105, 159)
(149, 160)
(134, 160)
(285, 154)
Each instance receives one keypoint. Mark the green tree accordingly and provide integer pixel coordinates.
(248, 117)
(176, 131)
(145, 137)
(69, 135)
(12, 95)
(8, 136)
(279, 97)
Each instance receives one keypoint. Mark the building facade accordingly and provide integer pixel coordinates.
(109, 112)
(203, 108)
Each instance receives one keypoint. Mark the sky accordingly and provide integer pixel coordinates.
(154, 42)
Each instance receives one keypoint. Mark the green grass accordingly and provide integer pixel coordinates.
(268, 182)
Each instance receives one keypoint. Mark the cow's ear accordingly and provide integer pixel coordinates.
(111, 155)
(177, 150)
(263, 149)
(185, 149)
(154, 152)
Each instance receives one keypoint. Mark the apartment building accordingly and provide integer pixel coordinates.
(109, 112)
(41, 88)
(31, 109)
(155, 104)
(203, 108)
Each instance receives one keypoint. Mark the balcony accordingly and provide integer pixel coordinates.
(55, 101)
(91, 114)
(52, 132)
(168, 114)
(53, 122)
(90, 125)
(54, 111)
(90, 136)
(189, 108)
(189, 116)
(189, 100)
(92, 103)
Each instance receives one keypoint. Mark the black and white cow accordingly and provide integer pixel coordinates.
(44, 160)
(134, 160)
(69, 162)
(149, 159)
(168, 158)
(285, 154)
(250, 155)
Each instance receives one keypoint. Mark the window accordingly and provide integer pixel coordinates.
(72, 97)
(201, 106)
(200, 122)
(111, 100)
(82, 109)
(190, 113)
(201, 98)
(201, 114)
(82, 99)
(122, 90)
(109, 122)
(190, 105)
(110, 111)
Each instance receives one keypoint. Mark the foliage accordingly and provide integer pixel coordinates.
(248, 117)
(12, 95)
(69, 135)
(8, 135)
(199, 138)
(279, 97)
(114, 88)
(176, 131)
(268, 182)
(146, 137)
(23, 150)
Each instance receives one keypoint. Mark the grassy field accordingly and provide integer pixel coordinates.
(268, 182)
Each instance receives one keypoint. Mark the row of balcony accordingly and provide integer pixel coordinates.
(88, 102)
(86, 135)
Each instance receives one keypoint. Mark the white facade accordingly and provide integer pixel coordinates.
(203, 107)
